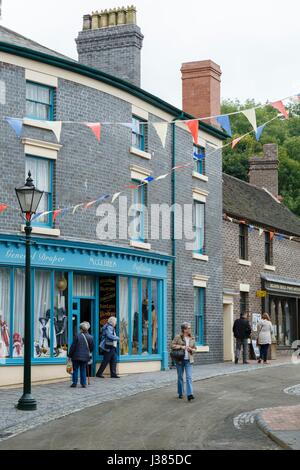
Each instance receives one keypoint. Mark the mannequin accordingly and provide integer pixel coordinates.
(17, 345)
(61, 327)
(4, 337)
(154, 329)
(44, 339)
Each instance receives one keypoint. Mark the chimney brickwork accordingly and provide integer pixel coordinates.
(263, 171)
(111, 41)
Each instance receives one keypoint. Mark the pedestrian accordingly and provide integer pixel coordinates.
(242, 332)
(108, 344)
(80, 352)
(186, 342)
(264, 337)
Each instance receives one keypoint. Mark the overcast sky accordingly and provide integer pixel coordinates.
(255, 42)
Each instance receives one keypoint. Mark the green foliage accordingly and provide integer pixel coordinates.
(284, 132)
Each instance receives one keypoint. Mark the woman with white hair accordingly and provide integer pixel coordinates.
(80, 351)
(108, 344)
(183, 346)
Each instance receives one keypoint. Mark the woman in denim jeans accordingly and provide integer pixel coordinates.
(187, 342)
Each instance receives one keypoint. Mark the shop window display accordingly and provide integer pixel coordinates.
(154, 318)
(108, 300)
(145, 316)
(42, 315)
(134, 316)
(4, 313)
(18, 313)
(123, 316)
(60, 314)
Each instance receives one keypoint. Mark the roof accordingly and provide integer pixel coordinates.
(252, 204)
(14, 43)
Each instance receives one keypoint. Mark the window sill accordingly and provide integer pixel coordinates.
(140, 153)
(200, 257)
(53, 232)
(244, 262)
(140, 245)
(269, 268)
(202, 349)
(199, 176)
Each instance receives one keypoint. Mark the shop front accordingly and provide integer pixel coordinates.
(282, 302)
(74, 282)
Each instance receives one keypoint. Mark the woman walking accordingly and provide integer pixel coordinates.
(264, 337)
(185, 341)
(80, 352)
(108, 344)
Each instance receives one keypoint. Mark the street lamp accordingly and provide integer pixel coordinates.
(29, 198)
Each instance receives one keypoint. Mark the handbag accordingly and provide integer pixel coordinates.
(91, 357)
(177, 354)
(69, 366)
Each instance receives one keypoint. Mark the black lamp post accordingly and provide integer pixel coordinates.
(29, 198)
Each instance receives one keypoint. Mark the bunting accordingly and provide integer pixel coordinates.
(235, 141)
(96, 128)
(281, 108)
(161, 177)
(55, 214)
(272, 235)
(194, 129)
(251, 116)
(162, 130)
(76, 207)
(115, 197)
(259, 132)
(224, 122)
(16, 124)
(3, 207)
(260, 232)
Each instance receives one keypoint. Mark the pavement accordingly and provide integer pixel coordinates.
(282, 425)
(58, 400)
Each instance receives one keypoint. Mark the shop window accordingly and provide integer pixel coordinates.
(199, 226)
(42, 174)
(5, 339)
(145, 316)
(123, 328)
(39, 102)
(60, 315)
(83, 286)
(244, 303)
(243, 241)
(268, 249)
(108, 300)
(138, 133)
(199, 159)
(18, 313)
(199, 312)
(154, 311)
(134, 316)
(42, 314)
(137, 224)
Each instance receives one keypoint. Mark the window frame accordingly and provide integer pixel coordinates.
(198, 249)
(268, 249)
(199, 164)
(243, 242)
(50, 105)
(244, 302)
(142, 188)
(141, 135)
(199, 314)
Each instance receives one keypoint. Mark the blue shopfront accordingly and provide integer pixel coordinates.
(74, 282)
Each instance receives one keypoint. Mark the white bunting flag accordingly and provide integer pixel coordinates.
(162, 130)
(161, 177)
(291, 238)
(251, 116)
(55, 126)
(260, 231)
(230, 219)
(76, 207)
(115, 196)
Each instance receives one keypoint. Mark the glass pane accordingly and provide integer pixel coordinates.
(124, 315)
(145, 316)
(38, 93)
(40, 172)
(19, 312)
(154, 309)
(108, 300)
(4, 313)
(83, 286)
(43, 95)
(196, 312)
(135, 316)
(31, 92)
(60, 314)
(137, 219)
(42, 314)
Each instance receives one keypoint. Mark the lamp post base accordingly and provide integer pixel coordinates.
(26, 403)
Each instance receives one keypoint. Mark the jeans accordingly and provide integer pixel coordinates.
(264, 352)
(186, 366)
(239, 344)
(111, 358)
(76, 366)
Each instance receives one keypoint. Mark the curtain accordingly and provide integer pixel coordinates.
(19, 312)
(4, 312)
(83, 286)
(199, 223)
(42, 306)
(124, 315)
(40, 173)
(145, 316)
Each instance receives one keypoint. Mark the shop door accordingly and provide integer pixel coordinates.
(83, 310)
(228, 341)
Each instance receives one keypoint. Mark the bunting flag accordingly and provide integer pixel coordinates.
(162, 130)
(251, 228)
(199, 156)
(251, 116)
(3, 207)
(16, 124)
(161, 177)
(224, 122)
(230, 218)
(280, 237)
(259, 132)
(90, 204)
(194, 129)
(281, 108)
(55, 127)
(291, 238)
(115, 197)
(272, 235)
(260, 232)
(104, 197)
(235, 141)
(96, 128)
(37, 216)
(55, 214)
(149, 179)
(76, 207)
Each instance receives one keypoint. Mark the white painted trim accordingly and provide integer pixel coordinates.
(42, 78)
(141, 245)
(36, 123)
(198, 283)
(140, 113)
(198, 176)
(202, 349)
(138, 173)
(39, 148)
(269, 268)
(53, 232)
(245, 262)
(244, 287)
(200, 257)
(140, 153)
(200, 195)
(228, 300)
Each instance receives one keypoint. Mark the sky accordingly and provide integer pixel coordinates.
(255, 42)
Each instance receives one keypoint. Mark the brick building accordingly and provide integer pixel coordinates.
(151, 285)
(261, 240)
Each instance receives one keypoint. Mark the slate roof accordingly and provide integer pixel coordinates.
(252, 204)
(11, 37)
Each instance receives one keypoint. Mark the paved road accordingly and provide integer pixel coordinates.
(216, 419)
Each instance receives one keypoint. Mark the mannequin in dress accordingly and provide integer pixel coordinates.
(4, 337)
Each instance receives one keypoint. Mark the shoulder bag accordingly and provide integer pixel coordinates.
(90, 354)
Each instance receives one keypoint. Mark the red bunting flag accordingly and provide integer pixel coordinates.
(3, 207)
(96, 128)
(194, 129)
(89, 204)
(55, 214)
(281, 108)
(235, 142)
(272, 235)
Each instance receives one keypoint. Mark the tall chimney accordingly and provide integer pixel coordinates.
(201, 94)
(111, 41)
(263, 171)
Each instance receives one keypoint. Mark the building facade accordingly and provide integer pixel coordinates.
(261, 253)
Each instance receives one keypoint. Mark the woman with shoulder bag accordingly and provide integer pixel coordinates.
(264, 337)
(80, 352)
(108, 345)
(183, 346)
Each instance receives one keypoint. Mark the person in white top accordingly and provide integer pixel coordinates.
(264, 337)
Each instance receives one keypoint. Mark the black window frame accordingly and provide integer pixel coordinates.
(244, 302)
(268, 249)
(243, 242)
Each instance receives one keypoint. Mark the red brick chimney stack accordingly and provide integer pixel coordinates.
(263, 171)
(201, 89)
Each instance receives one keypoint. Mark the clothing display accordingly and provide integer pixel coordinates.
(18, 345)
(4, 338)
(61, 327)
(123, 337)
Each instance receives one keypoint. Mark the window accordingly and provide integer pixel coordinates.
(39, 102)
(268, 249)
(199, 226)
(199, 309)
(4, 313)
(137, 225)
(138, 133)
(42, 313)
(41, 172)
(199, 159)
(243, 241)
(243, 302)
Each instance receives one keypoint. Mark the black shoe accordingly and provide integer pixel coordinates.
(180, 396)
(259, 361)
(73, 385)
(246, 362)
(115, 377)
(190, 397)
(236, 361)
(83, 386)
(100, 376)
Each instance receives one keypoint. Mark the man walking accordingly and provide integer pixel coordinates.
(242, 332)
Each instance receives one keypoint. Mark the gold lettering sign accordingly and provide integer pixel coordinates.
(261, 293)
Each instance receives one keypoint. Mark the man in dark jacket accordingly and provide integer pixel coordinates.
(242, 332)
(80, 352)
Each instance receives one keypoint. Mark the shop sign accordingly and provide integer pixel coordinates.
(261, 293)
(286, 288)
